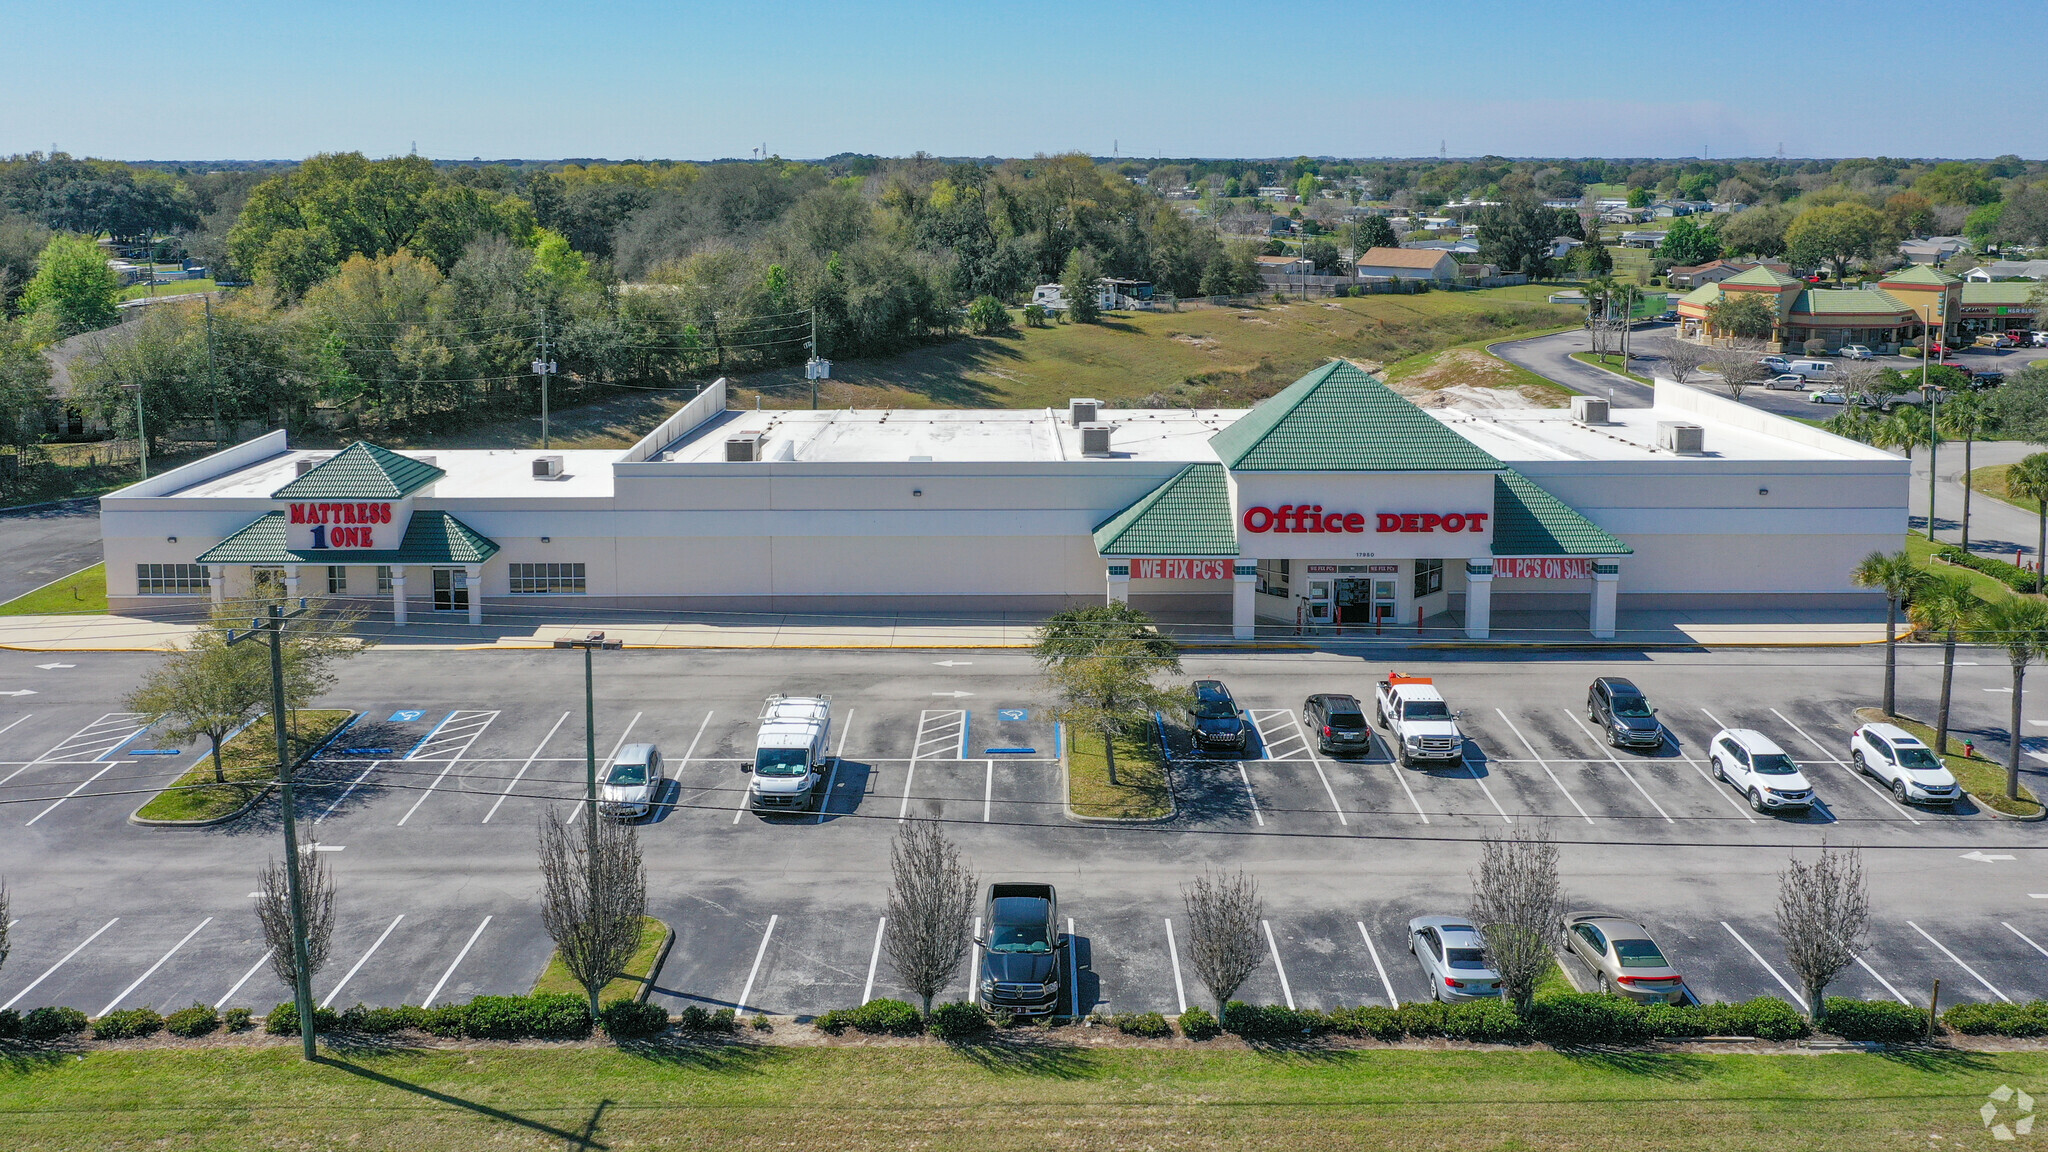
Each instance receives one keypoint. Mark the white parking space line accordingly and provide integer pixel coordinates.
(517, 776)
(1283, 747)
(1546, 766)
(741, 1004)
(24, 716)
(832, 777)
(988, 792)
(2027, 938)
(75, 791)
(116, 1001)
(1758, 957)
(93, 741)
(867, 991)
(939, 722)
(1393, 1001)
(365, 959)
(457, 962)
(59, 964)
(1481, 781)
(360, 777)
(260, 962)
(975, 967)
(1309, 747)
(1180, 988)
(1818, 803)
(1847, 767)
(1073, 972)
(1880, 979)
(1400, 774)
(1992, 988)
(472, 727)
(1713, 785)
(1286, 992)
(1616, 761)
(1251, 795)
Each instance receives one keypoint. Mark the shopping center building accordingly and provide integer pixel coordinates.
(1336, 504)
(1903, 306)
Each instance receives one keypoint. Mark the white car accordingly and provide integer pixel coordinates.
(1749, 762)
(1857, 352)
(1786, 382)
(1453, 959)
(1831, 396)
(1898, 758)
(630, 782)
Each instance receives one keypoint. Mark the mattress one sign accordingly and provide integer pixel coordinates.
(1544, 568)
(1180, 570)
(320, 525)
(1312, 518)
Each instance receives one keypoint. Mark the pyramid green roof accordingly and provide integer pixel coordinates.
(430, 538)
(2009, 292)
(1528, 521)
(1189, 515)
(1846, 302)
(1762, 277)
(361, 471)
(1340, 419)
(1925, 275)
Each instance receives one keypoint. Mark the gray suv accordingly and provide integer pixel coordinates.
(1336, 722)
(1626, 718)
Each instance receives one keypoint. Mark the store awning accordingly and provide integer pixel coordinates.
(430, 538)
(1528, 521)
(1189, 515)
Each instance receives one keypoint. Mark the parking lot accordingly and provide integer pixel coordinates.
(425, 807)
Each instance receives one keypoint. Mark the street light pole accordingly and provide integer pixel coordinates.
(141, 435)
(1928, 392)
(589, 643)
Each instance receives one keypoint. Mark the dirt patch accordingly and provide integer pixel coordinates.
(1193, 340)
(1469, 378)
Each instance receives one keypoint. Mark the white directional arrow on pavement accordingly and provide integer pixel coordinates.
(20, 692)
(951, 663)
(1984, 857)
(48, 667)
(954, 695)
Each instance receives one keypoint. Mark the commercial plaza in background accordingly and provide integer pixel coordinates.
(1903, 306)
(1336, 504)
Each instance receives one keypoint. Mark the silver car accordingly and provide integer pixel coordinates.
(630, 782)
(1627, 960)
(1453, 959)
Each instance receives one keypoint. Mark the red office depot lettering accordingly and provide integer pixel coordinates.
(1258, 519)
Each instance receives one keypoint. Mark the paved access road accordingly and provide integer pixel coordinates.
(426, 810)
(38, 545)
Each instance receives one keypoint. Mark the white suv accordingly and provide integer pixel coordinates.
(1760, 770)
(1897, 757)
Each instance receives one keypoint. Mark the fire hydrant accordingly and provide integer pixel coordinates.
(1970, 749)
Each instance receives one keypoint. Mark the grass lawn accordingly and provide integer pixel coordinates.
(83, 591)
(994, 1097)
(1612, 362)
(250, 760)
(1983, 777)
(639, 970)
(1141, 791)
(1991, 482)
(1922, 553)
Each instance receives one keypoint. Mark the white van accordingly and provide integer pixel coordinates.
(1813, 369)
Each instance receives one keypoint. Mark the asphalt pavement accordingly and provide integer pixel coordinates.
(426, 809)
(45, 543)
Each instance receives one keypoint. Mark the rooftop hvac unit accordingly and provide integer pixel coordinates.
(1095, 439)
(429, 461)
(1684, 439)
(1081, 412)
(745, 448)
(547, 467)
(301, 467)
(1589, 410)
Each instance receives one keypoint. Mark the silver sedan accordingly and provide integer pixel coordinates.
(1453, 959)
(1621, 952)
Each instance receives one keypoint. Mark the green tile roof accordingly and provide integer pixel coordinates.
(1528, 521)
(1846, 301)
(1705, 294)
(1762, 277)
(1189, 515)
(1999, 292)
(1339, 419)
(1923, 274)
(361, 471)
(430, 538)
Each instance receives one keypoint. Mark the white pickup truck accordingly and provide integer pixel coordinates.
(1419, 724)
(790, 760)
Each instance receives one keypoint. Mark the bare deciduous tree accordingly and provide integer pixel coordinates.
(274, 912)
(593, 897)
(1682, 358)
(1223, 931)
(1516, 904)
(1823, 912)
(931, 897)
(1736, 363)
(4, 921)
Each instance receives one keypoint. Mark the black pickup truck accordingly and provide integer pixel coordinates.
(1020, 956)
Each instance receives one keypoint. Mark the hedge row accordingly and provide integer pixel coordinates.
(1999, 1019)
(2011, 575)
(1571, 1020)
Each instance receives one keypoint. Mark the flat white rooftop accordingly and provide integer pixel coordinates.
(473, 474)
(1519, 434)
(951, 435)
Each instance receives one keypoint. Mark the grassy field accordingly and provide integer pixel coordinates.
(84, 591)
(1984, 586)
(250, 760)
(1015, 1094)
(1982, 777)
(1991, 482)
(639, 970)
(1142, 791)
(1612, 362)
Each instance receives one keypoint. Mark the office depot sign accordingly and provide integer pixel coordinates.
(1312, 518)
(322, 525)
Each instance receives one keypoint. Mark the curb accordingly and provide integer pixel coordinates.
(137, 819)
(1984, 806)
(1172, 802)
(654, 971)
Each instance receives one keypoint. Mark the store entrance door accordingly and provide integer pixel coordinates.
(451, 590)
(1354, 601)
(1383, 601)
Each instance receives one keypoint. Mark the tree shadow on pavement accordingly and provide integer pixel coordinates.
(571, 1139)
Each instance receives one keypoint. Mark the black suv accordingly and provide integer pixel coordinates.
(1337, 722)
(1618, 706)
(1213, 720)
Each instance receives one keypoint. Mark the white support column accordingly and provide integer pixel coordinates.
(1478, 598)
(1119, 582)
(1606, 582)
(474, 577)
(291, 582)
(217, 583)
(398, 594)
(1244, 598)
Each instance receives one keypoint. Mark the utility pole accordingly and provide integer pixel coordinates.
(590, 643)
(141, 435)
(1932, 396)
(543, 367)
(812, 371)
(302, 985)
(213, 373)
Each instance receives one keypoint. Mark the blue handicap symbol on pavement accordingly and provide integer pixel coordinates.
(404, 717)
(1011, 714)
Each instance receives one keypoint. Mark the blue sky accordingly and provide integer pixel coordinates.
(518, 78)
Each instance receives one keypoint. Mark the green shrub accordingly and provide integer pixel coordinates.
(548, 1016)
(2019, 1020)
(1885, 1021)
(1769, 1018)
(1150, 1025)
(957, 1021)
(628, 1019)
(762, 1023)
(1674, 1021)
(382, 1021)
(1485, 1022)
(725, 1020)
(2011, 575)
(284, 1020)
(52, 1022)
(1272, 1021)
(1367, 1020)
(1580, 1019)
(693, 1018)
(448, 1020)
(1423, 1019)
(238, 1020)
(10, 1025)
(127, 1024)
(558, 1016)
(987, 316)
(197, 1020)
(892, 1017)
(1198, 1024)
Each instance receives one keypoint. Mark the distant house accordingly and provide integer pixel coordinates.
(1690, 276)
(1407, 264)
(1280, 226)
(1645, 239)
(1286, 266)
(2009, 270)
(1932, 249)
(1562, 247)
(1454, 247)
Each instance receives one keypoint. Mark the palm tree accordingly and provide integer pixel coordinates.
(2020, 625)
(1907, 428)
(1898, 576)
(2029, 478)
(1963, 417)
(1945, 604)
